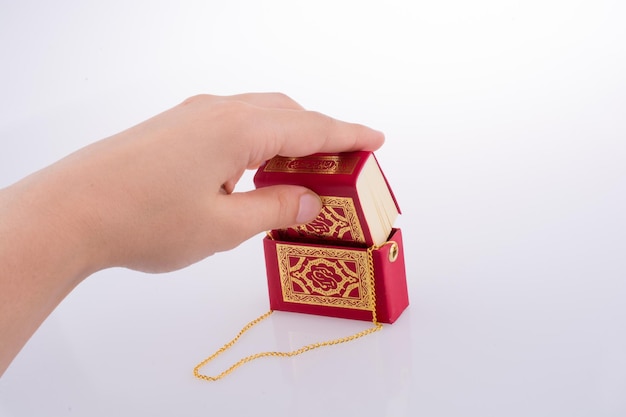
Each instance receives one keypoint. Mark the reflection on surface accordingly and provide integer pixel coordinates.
(325, 380)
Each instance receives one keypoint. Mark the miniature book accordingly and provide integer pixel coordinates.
(359, 208)
(348, 262)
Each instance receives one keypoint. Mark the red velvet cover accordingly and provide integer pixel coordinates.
(333, 177)
(335, 280)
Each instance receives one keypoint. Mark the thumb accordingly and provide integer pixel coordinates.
(273, 207)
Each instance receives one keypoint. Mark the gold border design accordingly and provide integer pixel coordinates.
(314, 164)
(341, 225)
(296, 261)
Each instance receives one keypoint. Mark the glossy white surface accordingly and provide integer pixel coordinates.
(506, 141)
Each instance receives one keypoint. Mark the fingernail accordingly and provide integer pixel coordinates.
(310, 207)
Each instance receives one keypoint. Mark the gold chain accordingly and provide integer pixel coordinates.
(377, 326)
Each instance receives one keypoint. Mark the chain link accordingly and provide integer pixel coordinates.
(376, 327)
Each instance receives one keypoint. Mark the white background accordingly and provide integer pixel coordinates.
(506, 140)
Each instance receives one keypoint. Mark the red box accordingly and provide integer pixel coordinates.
(337, 281)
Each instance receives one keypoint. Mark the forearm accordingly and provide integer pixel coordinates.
(41, 260)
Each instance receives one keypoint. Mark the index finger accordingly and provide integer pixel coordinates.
(300, 133)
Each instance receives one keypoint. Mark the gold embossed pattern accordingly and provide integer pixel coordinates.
(338, 221)
(324, 276)
(320, 164)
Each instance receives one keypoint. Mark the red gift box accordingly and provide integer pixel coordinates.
(337, 281)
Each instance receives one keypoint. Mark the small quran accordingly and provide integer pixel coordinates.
(349, 260)
(359, 208)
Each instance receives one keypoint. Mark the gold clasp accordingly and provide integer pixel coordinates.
(393, 252)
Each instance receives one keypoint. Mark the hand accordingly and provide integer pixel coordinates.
(159, 196)
(156, 197)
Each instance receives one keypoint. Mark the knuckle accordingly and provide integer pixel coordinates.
(197, 99)
(285, 210)
(232, 107)
(282, 101)
(281, 97)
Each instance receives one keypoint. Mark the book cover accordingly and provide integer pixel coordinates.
(359, 207)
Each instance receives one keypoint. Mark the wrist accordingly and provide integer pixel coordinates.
(46, 223)
(42, 258)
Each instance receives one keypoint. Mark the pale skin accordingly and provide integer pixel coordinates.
(154, 198)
